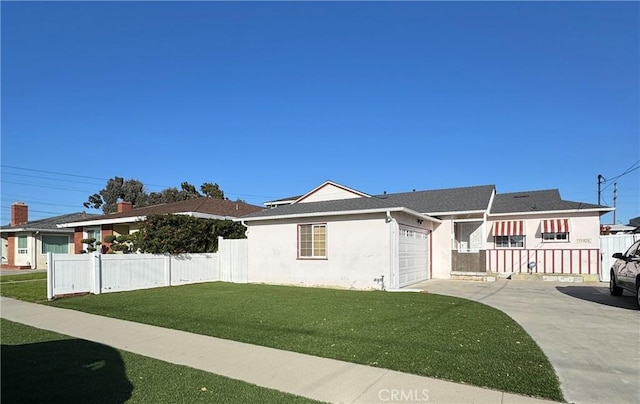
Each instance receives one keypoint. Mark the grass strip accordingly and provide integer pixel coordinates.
(424, 334)
(23, 277)
(32, 291)
(43, 366)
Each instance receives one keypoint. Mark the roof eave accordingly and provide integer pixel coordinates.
(201, 215)
(118, 220)
(33, 229)
(460, 212)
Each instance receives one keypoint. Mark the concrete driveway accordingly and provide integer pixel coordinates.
(592, 339)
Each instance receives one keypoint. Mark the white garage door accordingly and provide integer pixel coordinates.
(414, 256)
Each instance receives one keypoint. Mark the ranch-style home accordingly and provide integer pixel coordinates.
(25, 243)
(337, 236)
(128, 220)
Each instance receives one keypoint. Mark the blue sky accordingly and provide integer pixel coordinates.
(270, 99)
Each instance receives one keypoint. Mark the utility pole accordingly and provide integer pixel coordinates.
(600, 182)
(615, 196)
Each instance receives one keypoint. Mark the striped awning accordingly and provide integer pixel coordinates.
(509, 228)
(555, 226)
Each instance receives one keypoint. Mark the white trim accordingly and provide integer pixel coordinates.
(478, 219)
(464, 212)
(33, 230)
(278, 203)
(133, 219)
(129, 219)
(200, 215)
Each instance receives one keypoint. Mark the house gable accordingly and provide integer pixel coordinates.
(330, 191)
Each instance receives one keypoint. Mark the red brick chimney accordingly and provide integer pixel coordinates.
(124, 206)
(19, 213)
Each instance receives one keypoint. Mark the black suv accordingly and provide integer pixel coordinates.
(625, 272)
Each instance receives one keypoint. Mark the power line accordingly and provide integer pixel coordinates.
(71, 175)
(89, 183)
(46, 186)
(49, 178)
(52, 172)
(627, 171)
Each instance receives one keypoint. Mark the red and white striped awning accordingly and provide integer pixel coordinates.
(509, 228)
(555, 226)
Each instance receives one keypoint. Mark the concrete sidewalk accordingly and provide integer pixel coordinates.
(305, 375)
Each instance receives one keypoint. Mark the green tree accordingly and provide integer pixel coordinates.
(179, 234)
(189, 191)
(125, 243)
(118, 189)
(212, 190)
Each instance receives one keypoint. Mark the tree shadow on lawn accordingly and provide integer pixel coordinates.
(65, 371)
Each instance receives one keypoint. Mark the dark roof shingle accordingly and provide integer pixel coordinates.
(338, 205)
(50, 223)
(463, 199)
(212, 206)
(427, 202)
(532, 201)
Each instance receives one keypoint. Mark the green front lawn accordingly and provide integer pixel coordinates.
(40, 366)
(423, 334)
(31, 287)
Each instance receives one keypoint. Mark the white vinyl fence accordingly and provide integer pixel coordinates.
(610, 245)
(102, 273)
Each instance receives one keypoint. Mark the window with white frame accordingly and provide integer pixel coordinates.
(509, 241)
(555, 237)
(509, 234)
(312, 240)
(94, 233)
(555, 230)
(22, 245)
(55, 244)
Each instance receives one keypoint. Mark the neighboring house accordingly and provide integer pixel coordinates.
(128, 220)
(617, 229)
(25, 243)
(337, 236)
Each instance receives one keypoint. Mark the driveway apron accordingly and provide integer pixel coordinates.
(592, 339)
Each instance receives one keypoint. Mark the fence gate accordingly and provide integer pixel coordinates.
(233, 255)
(610, 245)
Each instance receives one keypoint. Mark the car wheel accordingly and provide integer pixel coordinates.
(638, 293)
(614, 289)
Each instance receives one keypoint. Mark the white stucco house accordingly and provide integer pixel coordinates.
(25, 243)
(337, 236)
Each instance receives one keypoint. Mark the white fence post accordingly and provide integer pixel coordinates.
(95, 266)
(221, 260)
(50, 274)
(167, 270)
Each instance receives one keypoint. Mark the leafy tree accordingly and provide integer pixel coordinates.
(92, 245)
(212, 190)
(119, 189)
(189, 191)
(178, 234)
(125, 243)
